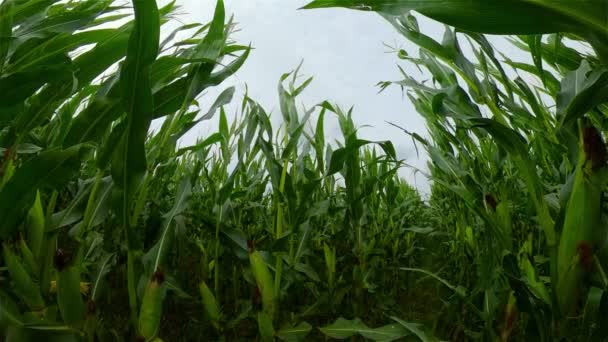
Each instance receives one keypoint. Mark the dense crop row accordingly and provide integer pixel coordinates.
(111, 231)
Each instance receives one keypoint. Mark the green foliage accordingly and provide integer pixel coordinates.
(114, 231)
(70, 118)
(511, 157)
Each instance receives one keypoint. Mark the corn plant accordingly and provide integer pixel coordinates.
(115, 231)
(495, 137)
(77, 104)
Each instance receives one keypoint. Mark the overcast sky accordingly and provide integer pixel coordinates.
(344, 50)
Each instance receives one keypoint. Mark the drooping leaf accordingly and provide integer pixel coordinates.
(492, 16)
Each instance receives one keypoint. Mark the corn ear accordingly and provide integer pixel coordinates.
(264, 281)
(151, 307)
(85, 287)
(503, 213)
(265, 327)
(69, 298)
(8, 169)
(330, 263)
(23, 283)
(28, 258)
(582, 218)
(510, 318)
(9, 312)
(34, 226)
(211, 308)
(47, 253)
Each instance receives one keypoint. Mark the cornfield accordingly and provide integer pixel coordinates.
(113, 229)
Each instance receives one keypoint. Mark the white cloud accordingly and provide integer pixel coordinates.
(344, 52)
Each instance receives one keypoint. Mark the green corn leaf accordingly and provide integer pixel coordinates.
(93, 121)
(75, 210)
(581, 90)
(387, 333)
(295, 334)
(183, 91)
(210, 140)
(170, 99)
(50, 169)
(210, 49)
(417, 329)
(104, 156)
(17, 87)
(67, 21)
(102, 270)
(23, 10)
(181, 203)
(343, 329)
(457, 289)
(6, 26)
(515, 144)
(493, 16)
(129, 162)
(536, 286)
(319, 140)
(223, 99)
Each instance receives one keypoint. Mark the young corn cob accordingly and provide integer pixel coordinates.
(264, 281)
(151, 307)
(69, 297)
(582, 220)
(35, 227)
(330, 263)
(23, 283)
(210, 304)
(265, 327)
(28, 258)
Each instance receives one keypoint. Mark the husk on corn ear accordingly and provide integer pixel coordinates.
(35, 226)
(210, 304)
(69, 297)
(264, 281)
(582, 221)
(23, 283)
(151, 307)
